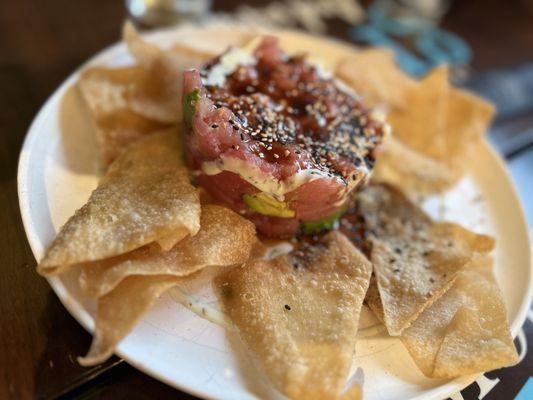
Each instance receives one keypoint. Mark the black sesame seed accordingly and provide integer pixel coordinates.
(287, 307)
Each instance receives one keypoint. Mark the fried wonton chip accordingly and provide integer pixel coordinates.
(415, 259)
(467, 119)
(429, 117)
(225, 238)
(128, 103)
(112, 96)
(421, 125)
(299, 314)
(414, 172)
(424, 336)
(375, 76)
(442, 123)
(120, 310)
(466, 330)
(180, 56)
(373, 300)
(144, 197)
(165, 68)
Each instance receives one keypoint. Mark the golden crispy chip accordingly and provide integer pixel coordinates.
(225, 238)
(373, 300)
(415, 259)
(467, 119)
(466, 330)
(478, 338)
(354, 392)
(162, 93)
(130, 102)
(429, 117)
(375, 76)
(299, 314)
(178, 59)
(421, 125)
(120, 310)
(111, 96)
(145, 196)
(442, 123)
(414, 172)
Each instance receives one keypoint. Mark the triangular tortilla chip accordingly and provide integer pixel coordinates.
(478, 338)
(375, 76)
(437, 124)
(466, 330)
(415, 259)
(373, 300)
(128, 103)
(299, 314)
(414, 172)
(424, 337)
(467, 120)
(422, 124)
(225, 238)
(112, 96)
(145, 196)
(120, 310)
(162, 92)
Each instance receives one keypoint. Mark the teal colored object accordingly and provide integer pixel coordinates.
(526, 393)
(387, 25)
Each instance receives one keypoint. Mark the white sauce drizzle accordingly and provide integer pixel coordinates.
(229, 62)
(263, 181)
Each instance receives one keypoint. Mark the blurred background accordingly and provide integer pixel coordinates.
(488, 44)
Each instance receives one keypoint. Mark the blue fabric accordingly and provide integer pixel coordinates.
(390, 26)
(527, 391)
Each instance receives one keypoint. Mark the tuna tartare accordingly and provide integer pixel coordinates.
(276, 139)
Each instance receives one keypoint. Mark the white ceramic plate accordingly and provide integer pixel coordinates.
(58, 170)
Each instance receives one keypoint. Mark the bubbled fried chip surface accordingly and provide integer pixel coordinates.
(478, 338)
(113, 95)
(162, 93)
(375, 76)
(442, 122)
(415, 259)
(421, 125)
(225, 238)
(466, 330)
(414, 172)
(145, 195)
(467, 119)
(299, 315)
(120, 310)
(437, 123)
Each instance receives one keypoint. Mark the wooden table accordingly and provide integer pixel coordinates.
(41, 42)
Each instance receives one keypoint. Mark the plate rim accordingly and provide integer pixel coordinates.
(82, 316)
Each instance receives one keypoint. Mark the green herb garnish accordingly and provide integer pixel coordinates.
(189, 105)
(325, 224)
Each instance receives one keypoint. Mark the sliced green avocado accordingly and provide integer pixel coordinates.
(325, 224)
(189, 105)
(265, 204)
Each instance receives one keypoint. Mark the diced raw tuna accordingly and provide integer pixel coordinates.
(266, 123)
